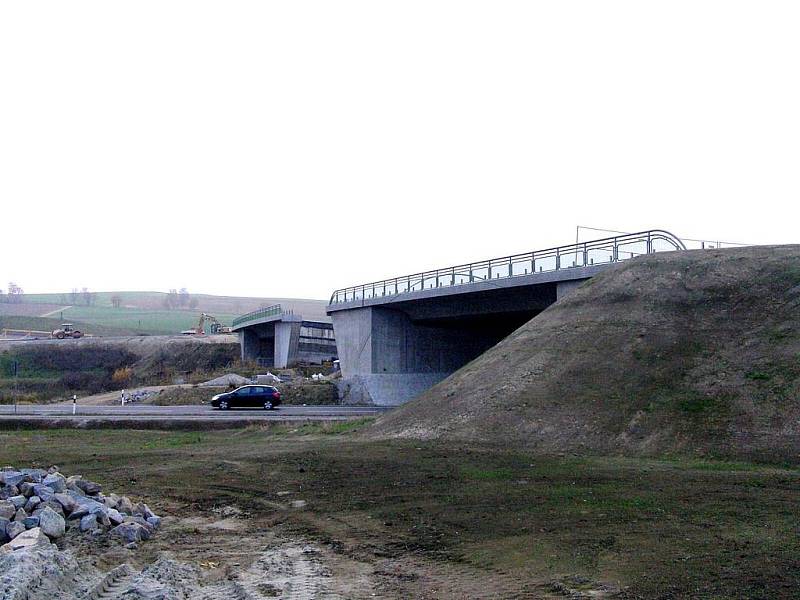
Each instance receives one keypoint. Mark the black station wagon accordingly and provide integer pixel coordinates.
(262, 396)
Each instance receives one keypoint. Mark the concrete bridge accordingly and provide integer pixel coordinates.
(398, 337)
(275, 337)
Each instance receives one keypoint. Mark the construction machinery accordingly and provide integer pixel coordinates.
(207, 324)
(67, 330)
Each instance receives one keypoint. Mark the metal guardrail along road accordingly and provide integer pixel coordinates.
(583, 254)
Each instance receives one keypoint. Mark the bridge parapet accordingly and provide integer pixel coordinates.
(583, 254)
(269, 313)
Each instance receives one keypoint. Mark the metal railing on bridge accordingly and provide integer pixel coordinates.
(261, 313)
(583, 254)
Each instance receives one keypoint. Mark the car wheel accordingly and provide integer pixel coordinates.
(223, 405)
(267, 405)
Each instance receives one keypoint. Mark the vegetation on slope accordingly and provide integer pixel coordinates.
(49, 372)
(691, 352)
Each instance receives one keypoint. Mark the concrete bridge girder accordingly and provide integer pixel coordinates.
(397, 349)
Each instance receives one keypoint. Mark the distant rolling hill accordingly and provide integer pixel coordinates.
(145, 312)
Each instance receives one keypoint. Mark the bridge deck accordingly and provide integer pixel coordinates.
(563, 263)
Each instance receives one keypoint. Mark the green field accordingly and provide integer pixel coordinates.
(140, 320)
(146, 312)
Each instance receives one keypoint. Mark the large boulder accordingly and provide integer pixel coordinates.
(34, 475)
(12, 477)
(130, 532)
(26, 539)
(51, 523)
(18, 501)
(66, 501)
(125, 505)
(56, 482)
(90, 488)
(7, 509)
(32, 503)
(14, 529)
(43, 491)
(52, 505)
(3, 526)
(7, 491)
(88, 523)
(31, 522)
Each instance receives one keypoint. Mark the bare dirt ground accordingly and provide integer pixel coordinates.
(221, 557)
(113, 398)
(315, 511)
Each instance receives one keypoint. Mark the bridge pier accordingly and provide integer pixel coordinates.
(390, 359)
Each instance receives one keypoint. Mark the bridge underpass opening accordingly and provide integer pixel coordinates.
(394, 352)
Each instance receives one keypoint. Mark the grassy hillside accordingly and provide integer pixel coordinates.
(145, 312)
(50, 324)
(55, 370)
(693, 352)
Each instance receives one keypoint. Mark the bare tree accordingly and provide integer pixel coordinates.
(15, 292)
(73, 296)
(89, 298)
(116, 300)
(183, 297)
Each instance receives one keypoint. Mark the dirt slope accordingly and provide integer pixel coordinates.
(679, 352)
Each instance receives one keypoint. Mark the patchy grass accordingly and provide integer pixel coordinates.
(671, 528)
(758, 376)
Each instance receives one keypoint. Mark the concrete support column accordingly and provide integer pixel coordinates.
(283, 335)
(248, 341)
(353, 331)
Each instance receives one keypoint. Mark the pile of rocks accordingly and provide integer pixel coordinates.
(35, 503)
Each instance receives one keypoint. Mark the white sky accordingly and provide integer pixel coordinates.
(289, 148)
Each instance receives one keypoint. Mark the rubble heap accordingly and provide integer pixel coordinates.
(38, 506)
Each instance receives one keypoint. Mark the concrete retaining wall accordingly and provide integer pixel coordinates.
(386, 389)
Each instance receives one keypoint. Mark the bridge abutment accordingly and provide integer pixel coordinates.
(387, 357)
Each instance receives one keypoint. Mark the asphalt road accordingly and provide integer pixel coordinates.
(195, 413)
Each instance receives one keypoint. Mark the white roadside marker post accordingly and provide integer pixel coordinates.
(74, 403)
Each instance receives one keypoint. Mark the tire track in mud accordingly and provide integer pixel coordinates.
(113, 585)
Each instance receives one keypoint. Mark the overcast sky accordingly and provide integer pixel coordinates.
(289, 148)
